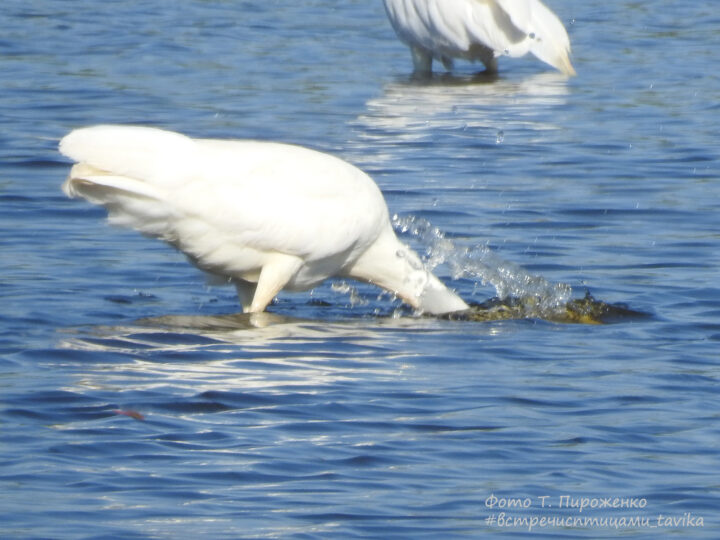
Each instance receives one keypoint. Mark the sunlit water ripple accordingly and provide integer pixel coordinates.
(136, 403)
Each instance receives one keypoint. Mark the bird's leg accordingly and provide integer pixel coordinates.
(245, 292)
(422, 61)
(275, 274)
(491, 66)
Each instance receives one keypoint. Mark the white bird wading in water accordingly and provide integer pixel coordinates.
(479, 30)
(265, 216)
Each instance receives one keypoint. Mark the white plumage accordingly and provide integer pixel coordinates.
(479, 30)
(265, 216)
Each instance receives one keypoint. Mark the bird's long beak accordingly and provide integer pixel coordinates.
(392, 265)
(436, 298)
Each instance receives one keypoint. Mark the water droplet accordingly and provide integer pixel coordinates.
(341, 287)
(500, 137)
(355, 297)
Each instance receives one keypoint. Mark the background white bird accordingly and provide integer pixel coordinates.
(265, 216)
(479, 30)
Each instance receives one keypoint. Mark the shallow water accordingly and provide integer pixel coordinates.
(135, 403)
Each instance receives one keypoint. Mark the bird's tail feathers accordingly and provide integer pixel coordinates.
(161, 158)
(129, 202)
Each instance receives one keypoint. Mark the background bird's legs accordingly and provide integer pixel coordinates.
(422, 61)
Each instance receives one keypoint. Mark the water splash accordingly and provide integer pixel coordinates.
(355, 297)
(480, 263)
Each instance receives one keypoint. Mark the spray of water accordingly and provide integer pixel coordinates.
(480, 263)
(343, 287)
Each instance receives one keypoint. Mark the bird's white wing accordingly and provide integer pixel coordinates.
(453, 25)
(217, 197)
(284, 198)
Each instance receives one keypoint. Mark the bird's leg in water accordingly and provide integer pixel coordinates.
(245, 292)
(274, 275)
(491, 66)
(422, 62)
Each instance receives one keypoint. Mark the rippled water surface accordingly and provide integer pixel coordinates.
(136, 403)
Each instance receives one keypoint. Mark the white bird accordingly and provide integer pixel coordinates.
(264, 216)
(479, 30)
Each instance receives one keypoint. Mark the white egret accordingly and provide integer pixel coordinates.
(479, 30)
(264, 216)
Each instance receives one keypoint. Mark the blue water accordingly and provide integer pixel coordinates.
(135, 404)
